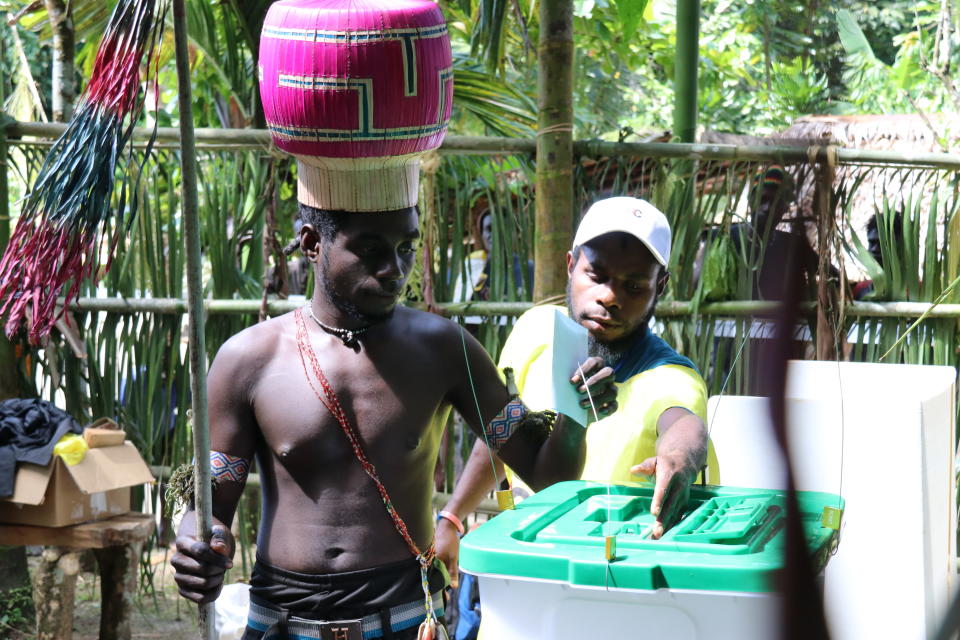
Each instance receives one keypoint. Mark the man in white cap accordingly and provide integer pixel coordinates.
(651, 401)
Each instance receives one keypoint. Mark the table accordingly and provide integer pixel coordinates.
(116, 543)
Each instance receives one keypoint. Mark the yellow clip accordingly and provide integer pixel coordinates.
(505, 499)
(831, 518)
(610, 548)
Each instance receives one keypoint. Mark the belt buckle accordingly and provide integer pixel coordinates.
(341, 630)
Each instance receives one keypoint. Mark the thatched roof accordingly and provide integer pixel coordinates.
(894, 132)
(906, 133)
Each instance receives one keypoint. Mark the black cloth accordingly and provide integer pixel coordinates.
(341, 596)
(29, 429)
(781, 251)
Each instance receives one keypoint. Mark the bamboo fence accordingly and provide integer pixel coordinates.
(129, 360)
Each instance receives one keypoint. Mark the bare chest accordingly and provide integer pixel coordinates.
(393, 404)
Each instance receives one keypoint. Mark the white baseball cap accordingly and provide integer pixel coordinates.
(637, 217)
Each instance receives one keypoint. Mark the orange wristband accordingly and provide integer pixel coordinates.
(454, 519)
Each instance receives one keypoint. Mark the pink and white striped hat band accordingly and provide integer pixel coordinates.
(358, 91)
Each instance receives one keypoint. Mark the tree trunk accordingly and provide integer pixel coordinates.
(554, 213)
(64, 85)
(118, 580)
(9, 381)
(54, 588)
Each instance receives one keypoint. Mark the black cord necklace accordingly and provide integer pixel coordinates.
(350, 337)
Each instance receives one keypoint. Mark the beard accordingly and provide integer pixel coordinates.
(612, 352)
(347, 307)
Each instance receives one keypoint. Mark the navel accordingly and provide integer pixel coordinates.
(333, 552)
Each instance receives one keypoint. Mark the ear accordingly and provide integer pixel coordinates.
(310, 242)
(570, 263)
(662, 281)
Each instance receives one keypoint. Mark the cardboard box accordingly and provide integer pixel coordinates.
(58, 494)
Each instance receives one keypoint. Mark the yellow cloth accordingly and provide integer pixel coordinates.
(71, 448)
(629, 435)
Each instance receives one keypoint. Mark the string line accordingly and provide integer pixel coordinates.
(473, 390)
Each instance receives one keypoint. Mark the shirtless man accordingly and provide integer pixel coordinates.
(327, 548)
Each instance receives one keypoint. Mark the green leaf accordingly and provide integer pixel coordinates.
(630, 13)
(852, 38)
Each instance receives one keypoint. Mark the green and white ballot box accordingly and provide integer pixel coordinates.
(543, 568)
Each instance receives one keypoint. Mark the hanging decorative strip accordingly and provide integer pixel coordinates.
(70, 222)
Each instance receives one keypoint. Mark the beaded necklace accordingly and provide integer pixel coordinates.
(329, 399)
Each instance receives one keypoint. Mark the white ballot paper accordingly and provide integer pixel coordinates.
(548, 382)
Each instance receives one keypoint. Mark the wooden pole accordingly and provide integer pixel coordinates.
(198, 349)
(830, 332)
(244, 139)
(665, 309)
(554, 213)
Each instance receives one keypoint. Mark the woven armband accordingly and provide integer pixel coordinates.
(227, 468)
(515, 417)
(223, 468)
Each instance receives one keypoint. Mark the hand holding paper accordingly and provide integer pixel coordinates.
(549, 381)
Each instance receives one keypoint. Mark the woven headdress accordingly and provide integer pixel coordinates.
(358, 91)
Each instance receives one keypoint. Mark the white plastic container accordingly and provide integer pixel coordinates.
(521, 609)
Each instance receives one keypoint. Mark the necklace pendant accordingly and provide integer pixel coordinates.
(349, 339)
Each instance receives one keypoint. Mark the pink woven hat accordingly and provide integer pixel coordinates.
(358, 91)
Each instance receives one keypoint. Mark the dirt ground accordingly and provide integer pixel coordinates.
(158, 614)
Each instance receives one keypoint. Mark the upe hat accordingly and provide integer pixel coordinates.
(358, 91)
(637, 217)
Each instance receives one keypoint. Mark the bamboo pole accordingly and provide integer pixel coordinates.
(554, 204)
(666, 309)
(198, 369)
(250, 139)
(687, 61)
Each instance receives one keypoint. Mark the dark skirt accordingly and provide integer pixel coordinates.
(344, 596)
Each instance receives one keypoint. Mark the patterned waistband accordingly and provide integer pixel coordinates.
(402, 616)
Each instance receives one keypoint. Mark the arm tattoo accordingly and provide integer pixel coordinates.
(224, 467)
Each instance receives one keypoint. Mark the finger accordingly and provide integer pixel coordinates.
(222, 541)
(599, 397)
(598, 379)
(204, 554)
(198, 596)
(646, 468)
(198, 583)
(659, 493)
(675, 503)
(586, 367)
(607, 393)
(191, 595)
(186, 565)
(608, 408)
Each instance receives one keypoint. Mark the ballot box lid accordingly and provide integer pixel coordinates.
(728, 539)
